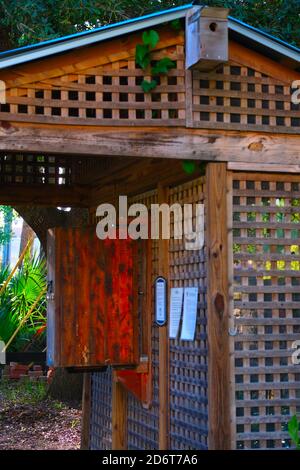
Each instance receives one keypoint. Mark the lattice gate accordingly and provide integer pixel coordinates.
(266, 307)
(188, 359)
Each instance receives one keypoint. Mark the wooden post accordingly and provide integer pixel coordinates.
(86, 411)
(218, 309)
(163, 270)
(119, 415)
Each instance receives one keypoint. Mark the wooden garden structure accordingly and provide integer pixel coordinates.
(76, 129)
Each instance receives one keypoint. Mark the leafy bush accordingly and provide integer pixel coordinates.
(294, 428)
(16, 301)
(30, 21)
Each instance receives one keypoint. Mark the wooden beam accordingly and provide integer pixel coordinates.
(86, 411)
(263, 167)
(247, 57)
(163, 380)
(119, 415)
(218, 309)
(175, 143)
(50, 196)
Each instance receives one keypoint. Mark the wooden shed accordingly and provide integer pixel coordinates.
(220, 128)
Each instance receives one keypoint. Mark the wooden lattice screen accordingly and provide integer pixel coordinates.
(266, 307)
(109, 94)
(188, 359)
(101, 411)
(239, 97)
(31, 169)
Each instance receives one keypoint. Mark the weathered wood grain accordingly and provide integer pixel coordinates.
(161, 142)
(218, 309)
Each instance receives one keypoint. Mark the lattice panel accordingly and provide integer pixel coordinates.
(101, 411)
(235, 97)
(266, 242)
(34, 169)
(106, 95)
(143, 424)
(188, 360)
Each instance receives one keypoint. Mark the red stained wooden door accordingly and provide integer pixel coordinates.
(92, 300)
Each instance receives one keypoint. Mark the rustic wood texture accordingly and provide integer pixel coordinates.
(236, 96)
(100, 90)
(95, 300)
(160, 142)
(86, 412)
(217, 305)
(163, 270)
(119, 415)
(266, 269)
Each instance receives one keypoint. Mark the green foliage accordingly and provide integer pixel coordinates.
(142, 55)
(31, 21)
(148, 86)
(163, 66)
(143, 59)
(150, 38)
(176, 25)
(189, 166)
(17, 299)
(293, 428)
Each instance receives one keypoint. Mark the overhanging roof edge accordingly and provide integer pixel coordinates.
(85, 38)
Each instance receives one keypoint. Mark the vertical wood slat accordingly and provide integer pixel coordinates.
(232, 324)
(86, 412)
(163, 270)
(119, 415)
(218, 309)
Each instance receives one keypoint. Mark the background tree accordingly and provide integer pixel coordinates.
(30, 21)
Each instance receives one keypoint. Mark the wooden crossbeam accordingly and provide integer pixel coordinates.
(191, 144)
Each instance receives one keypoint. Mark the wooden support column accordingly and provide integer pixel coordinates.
(163, 270)
(119, 415)
(86, 412)
(218, 308)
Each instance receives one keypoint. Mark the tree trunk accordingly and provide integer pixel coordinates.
(26, 234)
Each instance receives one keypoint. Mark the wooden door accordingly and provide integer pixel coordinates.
(92, 300)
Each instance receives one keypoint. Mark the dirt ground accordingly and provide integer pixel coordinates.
(29, 421)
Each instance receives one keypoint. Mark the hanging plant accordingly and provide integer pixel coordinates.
(143, 58)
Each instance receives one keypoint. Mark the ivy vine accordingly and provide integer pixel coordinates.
(143, 58)
(191, 166)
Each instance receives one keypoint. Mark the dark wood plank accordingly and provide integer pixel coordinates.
(86, 412)
(119, 415)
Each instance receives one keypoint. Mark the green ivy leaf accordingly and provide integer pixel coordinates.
(142, 56)
(293, 428)
(148, 86)
(189, 166)
(176, 25)
(150, 38)
(163, 66)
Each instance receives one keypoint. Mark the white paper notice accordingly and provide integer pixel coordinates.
(175, 311)
(189, 313)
